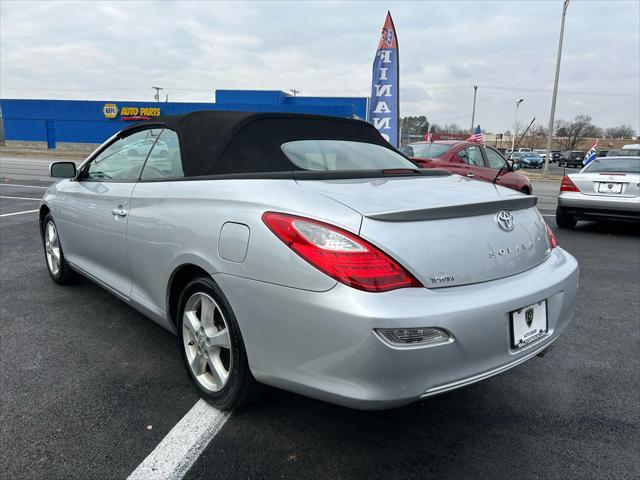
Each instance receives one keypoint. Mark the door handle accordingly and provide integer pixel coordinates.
(470, 175)
(119, 212)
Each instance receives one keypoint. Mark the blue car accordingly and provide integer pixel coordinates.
(530, 160)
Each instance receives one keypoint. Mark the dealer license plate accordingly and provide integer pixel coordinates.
(608, 187)
(528, 324)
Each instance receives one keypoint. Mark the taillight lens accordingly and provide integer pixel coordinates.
(339, 254)
(552, 238)
(567, 185)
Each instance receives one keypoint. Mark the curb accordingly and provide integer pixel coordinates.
(45, 154)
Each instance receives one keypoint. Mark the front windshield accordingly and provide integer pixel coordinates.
(426, 150)
(340, 155)
(614, 165)
(532, 155)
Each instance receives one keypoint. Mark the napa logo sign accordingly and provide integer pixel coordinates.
(110, 110)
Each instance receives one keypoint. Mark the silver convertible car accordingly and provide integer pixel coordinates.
(306, 253)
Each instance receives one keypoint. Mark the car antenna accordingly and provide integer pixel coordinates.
(495, 179)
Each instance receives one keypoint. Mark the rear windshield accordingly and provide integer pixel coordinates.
(614, 165)
(624, 152)
(425, 150)
(339, 155)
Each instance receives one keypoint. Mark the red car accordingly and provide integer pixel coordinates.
(467, 159)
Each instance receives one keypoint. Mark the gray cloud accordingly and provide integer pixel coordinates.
(118, 50)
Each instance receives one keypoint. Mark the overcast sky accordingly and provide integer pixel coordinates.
(118, 50)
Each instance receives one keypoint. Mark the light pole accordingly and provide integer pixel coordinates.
(515, 125)
(157, 94)
(473, 114)
(545, 172)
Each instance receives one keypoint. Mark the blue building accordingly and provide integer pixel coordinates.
(84, 121)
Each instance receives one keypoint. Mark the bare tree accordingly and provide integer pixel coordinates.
(571, 133)
(622, 131)
(536, 136)
(517, 128)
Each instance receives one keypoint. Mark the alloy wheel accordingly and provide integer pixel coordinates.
(52, 248)
(205, 334)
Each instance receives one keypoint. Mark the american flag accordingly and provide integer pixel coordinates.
(591, 154)
(477, 136)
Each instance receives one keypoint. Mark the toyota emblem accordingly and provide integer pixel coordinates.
(505, 220)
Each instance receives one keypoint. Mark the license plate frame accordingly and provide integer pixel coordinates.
(610, 187)
(524, 333)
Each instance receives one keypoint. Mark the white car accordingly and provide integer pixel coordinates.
(607, 188)
(542, 152)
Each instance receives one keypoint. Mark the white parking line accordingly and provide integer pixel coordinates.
(20, 198)
(18, 185)
(178, 451)
(17, 213)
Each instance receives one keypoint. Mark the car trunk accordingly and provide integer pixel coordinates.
(444, 229)
(607, 184)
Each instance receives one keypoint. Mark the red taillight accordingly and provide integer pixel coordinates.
(339, 254)
(567, 185)
(552, 238)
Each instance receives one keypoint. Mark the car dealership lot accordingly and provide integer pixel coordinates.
(90, 387)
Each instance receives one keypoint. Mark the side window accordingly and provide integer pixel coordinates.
(164, 160)
(494, 158)
(472, 156)
(123, 159)
(407, 150)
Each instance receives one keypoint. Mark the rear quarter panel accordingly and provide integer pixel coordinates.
(176, 223)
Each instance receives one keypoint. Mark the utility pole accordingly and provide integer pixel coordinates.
(473, 114)
(515, 125)
(294, 91)
(545, 172)
(157, 94)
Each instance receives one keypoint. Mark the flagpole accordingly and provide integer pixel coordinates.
(473, 113)
(545, 172)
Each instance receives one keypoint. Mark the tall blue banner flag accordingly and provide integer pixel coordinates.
(384, 109)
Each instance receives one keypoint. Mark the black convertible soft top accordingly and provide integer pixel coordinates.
(223, 142)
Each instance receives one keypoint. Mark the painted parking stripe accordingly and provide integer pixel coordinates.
(20, 198)
(17, 213)
(178, 451)
(18, 185)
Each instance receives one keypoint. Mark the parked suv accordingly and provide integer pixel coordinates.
(468, 159)
(573, 158)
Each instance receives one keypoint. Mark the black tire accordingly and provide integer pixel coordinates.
(241, 387)
(64, 275)
(563, 220)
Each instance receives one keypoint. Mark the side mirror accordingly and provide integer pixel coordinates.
(62, 170)
(513, 166)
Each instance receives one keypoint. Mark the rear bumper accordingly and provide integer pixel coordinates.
(323, 344)
(595, 206)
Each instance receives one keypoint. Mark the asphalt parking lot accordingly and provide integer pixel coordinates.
(89, 387)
